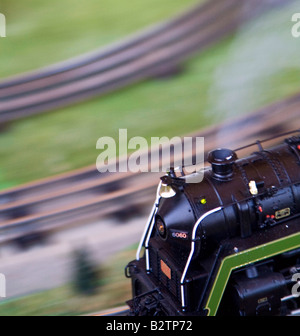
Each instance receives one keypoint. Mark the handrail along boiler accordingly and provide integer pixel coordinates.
(229, 245)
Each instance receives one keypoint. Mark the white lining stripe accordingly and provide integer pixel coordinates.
(149, 223)
(192, 251)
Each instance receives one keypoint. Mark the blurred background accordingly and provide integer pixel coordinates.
(72, 72)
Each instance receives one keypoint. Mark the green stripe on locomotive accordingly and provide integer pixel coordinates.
(243, 258)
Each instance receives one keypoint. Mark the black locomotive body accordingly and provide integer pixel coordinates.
(227, 245)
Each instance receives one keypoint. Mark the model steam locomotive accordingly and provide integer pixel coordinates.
(229, 245)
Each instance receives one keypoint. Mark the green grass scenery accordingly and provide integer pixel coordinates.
(256, 66)
(40, 32)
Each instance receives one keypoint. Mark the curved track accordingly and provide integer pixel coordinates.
(149, 54)
(112, 55)
(86, 194)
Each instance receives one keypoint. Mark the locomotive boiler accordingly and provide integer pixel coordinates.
(229, 245)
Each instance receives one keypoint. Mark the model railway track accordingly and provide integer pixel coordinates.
(152, 53)
(81, 179)
(112, 55)
(86, 194)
